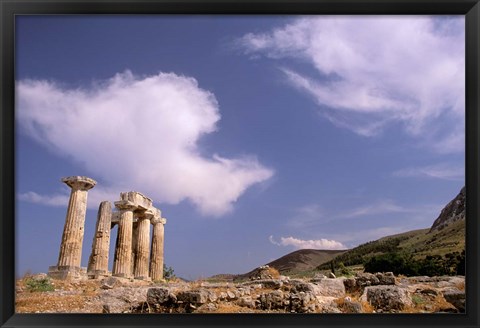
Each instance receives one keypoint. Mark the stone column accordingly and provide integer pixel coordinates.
(156, 264)
(134, 242)
(70, 256)
(123, 250)
(142, 248)
(98, 261)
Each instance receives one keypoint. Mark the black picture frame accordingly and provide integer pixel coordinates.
(11, 8)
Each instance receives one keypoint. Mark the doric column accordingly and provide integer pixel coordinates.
(70, 255)
(134, 242)
(98, 261)
(156, 264)
(123, 250)
(142, 249)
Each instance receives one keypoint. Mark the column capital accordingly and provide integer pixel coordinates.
(79, 182)
(157, 220)
(125, 205)
(153, 212)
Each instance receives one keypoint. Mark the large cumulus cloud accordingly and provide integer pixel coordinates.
(138, 133)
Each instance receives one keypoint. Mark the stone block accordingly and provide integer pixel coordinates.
(387, 298)
(455, 297)
(329, 287)
(139, 200)
(193, 297)
(159, 295)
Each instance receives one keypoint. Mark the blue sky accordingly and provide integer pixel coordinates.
(255, 136)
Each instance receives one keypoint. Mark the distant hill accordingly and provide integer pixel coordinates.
(303, 260)
(297, 261)
(446, 235)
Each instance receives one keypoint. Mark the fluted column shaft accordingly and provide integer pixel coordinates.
(134, 244)
(98, 261)
(156, 263)
(123, 250)
(70, 254)
(142, 249)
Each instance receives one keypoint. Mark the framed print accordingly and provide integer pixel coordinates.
(286, 163)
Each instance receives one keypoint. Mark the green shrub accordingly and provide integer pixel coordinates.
(432, 265)
(417, 300)
(344, 270)
(390, 262)
(39, 285)
(168, 273)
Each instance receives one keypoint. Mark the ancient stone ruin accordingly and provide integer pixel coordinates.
(134, 256)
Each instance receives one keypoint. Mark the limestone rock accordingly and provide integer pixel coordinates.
(272, 300)
(109, 283)
(266, 283)
(350, 284)
(193, 296)
(123, 299)
(387, 298)
(246, 301)
(206, 308)
(328, 304)
(366, 279)
(263, 273)
(329, 287)
(298, 285)
(319, 276)
(160, 295)
(387, 278)
(352, 307)
(455, 297)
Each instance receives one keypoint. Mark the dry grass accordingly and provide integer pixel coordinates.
(68, 297)
(232, 308)
(46, 302)
(460, 285)
(273, 272)
(428, 304)
(366, 307)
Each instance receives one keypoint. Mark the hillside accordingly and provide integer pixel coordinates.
(447, 235)
(303, 260)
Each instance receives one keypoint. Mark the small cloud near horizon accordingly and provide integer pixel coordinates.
(325, 244)
(442, 171)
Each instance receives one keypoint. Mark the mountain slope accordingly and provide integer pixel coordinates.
(304, 259)
(446, 235)
(297, 261)
(455, 210)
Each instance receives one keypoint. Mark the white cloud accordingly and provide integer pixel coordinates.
(379, 207)
(307, 244)
(372, 71)
(439, 171)
(314, 216)
(308, 216)
(138, 134)
(52, 200)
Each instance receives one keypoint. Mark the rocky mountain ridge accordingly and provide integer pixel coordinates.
(454, 211)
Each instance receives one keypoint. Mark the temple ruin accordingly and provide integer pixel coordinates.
(137, 254)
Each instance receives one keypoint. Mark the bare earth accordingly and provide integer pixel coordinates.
(364, 293)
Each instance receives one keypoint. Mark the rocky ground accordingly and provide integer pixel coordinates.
(262, 293)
